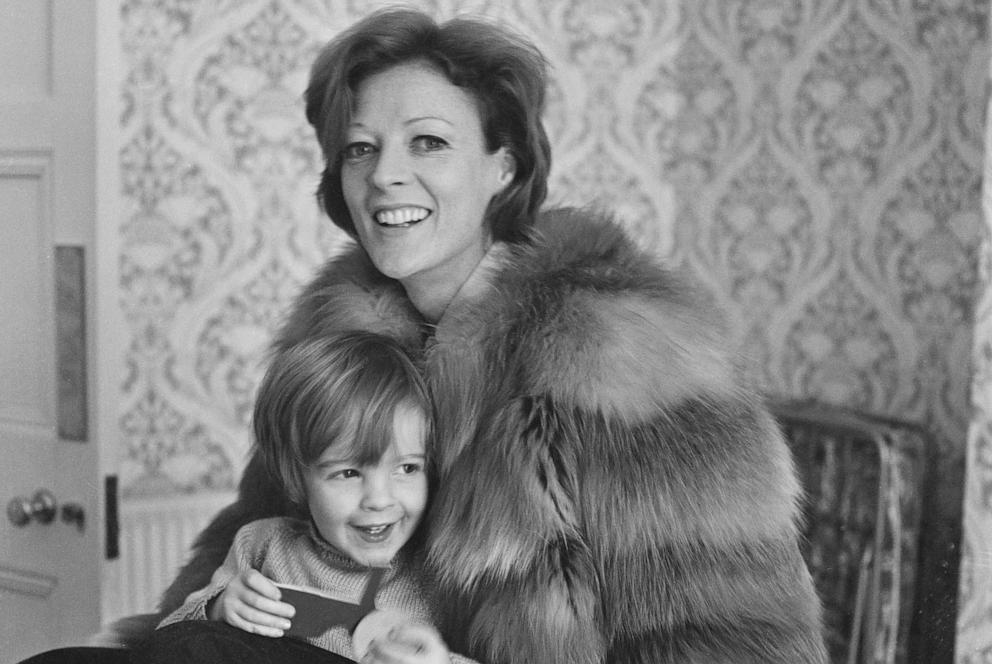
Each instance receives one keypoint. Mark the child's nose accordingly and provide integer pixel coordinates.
(378, 493)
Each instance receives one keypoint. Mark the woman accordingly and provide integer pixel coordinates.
(609, 490)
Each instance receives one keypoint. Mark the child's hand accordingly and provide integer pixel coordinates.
(408, 643)
(251, 602)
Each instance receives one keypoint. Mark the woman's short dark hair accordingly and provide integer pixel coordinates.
(503, 72)
(343, 387)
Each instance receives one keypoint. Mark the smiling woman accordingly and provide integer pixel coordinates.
(417, 180)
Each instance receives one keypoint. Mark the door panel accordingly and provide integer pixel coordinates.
(26, 238)
(49, 572)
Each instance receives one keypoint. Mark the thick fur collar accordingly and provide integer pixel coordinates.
(350, 294)
(595, 322)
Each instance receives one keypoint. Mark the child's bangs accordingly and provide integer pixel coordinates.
(360, 425)
(371, 435)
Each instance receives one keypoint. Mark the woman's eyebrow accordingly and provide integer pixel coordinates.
(429, 117)
(410, 121)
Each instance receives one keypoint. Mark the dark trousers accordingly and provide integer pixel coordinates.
(198, 642)
(81, 655)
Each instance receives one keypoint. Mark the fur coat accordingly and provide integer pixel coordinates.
(608, 489)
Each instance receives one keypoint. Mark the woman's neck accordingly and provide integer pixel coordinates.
(430, 300)
(432, 292)
(431, 297)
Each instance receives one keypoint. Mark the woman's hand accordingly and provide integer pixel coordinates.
(409, 643)
(251, 602)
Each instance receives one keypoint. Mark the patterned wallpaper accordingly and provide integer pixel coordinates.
(815, 163)
(975, 617)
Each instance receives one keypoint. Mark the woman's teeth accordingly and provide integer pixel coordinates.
(401, 216)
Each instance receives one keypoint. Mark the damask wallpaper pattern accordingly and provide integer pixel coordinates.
(975, 619)
(816, 164)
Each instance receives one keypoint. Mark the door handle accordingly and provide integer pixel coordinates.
(40, 507)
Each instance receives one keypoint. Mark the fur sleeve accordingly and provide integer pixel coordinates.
(624, 498)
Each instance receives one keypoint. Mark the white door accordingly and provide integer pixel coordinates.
(50, 566)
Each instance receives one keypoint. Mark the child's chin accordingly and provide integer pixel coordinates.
(379, 558)
(378, 562)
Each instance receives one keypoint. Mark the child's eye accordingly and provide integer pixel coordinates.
(344, 474)
(411, 468)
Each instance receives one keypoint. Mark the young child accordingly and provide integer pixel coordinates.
(343, 423)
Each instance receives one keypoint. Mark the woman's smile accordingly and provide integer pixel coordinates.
(403, 217)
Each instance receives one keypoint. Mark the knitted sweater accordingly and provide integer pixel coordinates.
(289, 551)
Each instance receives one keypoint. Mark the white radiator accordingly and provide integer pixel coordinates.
(155, 536)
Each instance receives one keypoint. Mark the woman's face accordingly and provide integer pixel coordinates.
(417, 177)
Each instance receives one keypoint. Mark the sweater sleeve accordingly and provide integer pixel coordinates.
(247, 552)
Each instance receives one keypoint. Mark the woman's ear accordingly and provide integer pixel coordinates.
(507, 167)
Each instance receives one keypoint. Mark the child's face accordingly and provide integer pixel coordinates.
(369, 512)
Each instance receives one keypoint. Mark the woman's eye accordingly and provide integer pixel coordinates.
(428, 143)
(357, 150)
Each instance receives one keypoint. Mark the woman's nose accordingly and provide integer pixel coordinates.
(392, 167)
(377, 491)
